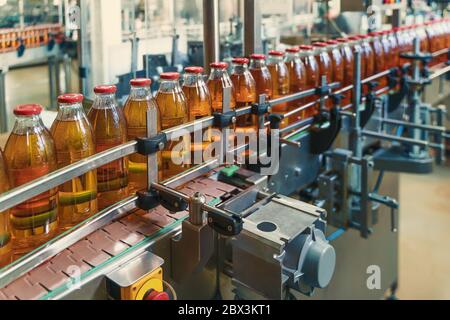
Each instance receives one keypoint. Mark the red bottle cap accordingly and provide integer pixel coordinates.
(353, 38)
(170, 76)
(28, 110)
(141, 82)
(306, 47)
(71, 98)
(105, 89)
(276, 53)
(320, 44)
(155, 295)
(240, 61)
(293, 50)
(332, 42)
(362, 36)
(219, 65)
(342, 40)
(257, 56)
(193, 70)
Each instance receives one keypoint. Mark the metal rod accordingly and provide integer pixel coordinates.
(382, 136)
(413, 125)
(3, 112)
(439, 72)
(252, 27)
(27, 191)
(211, 34)
(65, 240)
(440, 52)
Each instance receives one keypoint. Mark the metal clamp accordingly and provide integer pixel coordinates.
(322, 138)
(148, 146)
(225, 224)
(224, 120)
(261, 109)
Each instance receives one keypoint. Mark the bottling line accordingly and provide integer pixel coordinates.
(336, 122)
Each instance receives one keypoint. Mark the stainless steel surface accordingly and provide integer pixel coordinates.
(127, 275)
(413, 125)
(3, 112)
(152, 159)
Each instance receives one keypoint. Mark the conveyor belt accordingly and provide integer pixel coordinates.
(104, 244)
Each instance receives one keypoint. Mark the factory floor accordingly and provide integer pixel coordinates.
(425, 206)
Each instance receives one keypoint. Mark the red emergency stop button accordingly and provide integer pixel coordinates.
(155, 295)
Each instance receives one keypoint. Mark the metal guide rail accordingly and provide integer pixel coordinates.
(101, 248)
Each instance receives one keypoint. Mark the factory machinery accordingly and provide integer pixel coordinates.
(223, 230)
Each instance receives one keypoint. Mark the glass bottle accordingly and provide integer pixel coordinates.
(135, 111)
(261, 74)
(280, 82)
(297, 80)
(388, 52)
(349, 64)
(198, 101)
(312, 75)
(74, 141)
(173, 111)
(380, 57)
(355, 43)
(244, 92)
(369, 56)
(30, 153)
(322, 56)
(218, 80)
(110, 130)
(5, 232)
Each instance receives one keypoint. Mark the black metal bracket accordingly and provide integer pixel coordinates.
(336, 98)
(395, 99)
(260, 109)
(224, 120)
(228, 225)
(275, 120)
(393, 79)
(365, 115)
(323, 90)
(322, 138)
(423, 57)
(148, 200)
(148, 146)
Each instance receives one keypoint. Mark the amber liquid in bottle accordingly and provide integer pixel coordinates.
(110, 130)
(30, 153)
(135, 111)
(245, 95)
(337, 63)
(198, 101)
(297, 81)
(173, 112)
(5, 232)
(325, 68)
(312, 78)
(280, 84)
(380, 65)
(74, 141)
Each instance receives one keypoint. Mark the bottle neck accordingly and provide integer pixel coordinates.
(140, 93)
(104, 101)
(290, 56)
(28, 125)
(273, 60)
(240, 68)
(168, 86)
(193, 80)
(257, 64)
(217, 74)
(70, 112)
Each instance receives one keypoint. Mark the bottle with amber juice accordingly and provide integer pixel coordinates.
(74, 141)
(110, 130)
(244, 92)
(280, 82)
(199, 106)
(261, 74)
(173, 112)
(297, 80)
(135, 110)
(5, 232)
(30, 153)
(312, 75)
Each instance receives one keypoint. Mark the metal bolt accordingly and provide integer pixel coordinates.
(269, 109)
(233, 120)
(230, 228)
(161, 146)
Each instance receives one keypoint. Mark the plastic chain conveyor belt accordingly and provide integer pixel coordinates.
(104, 244)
